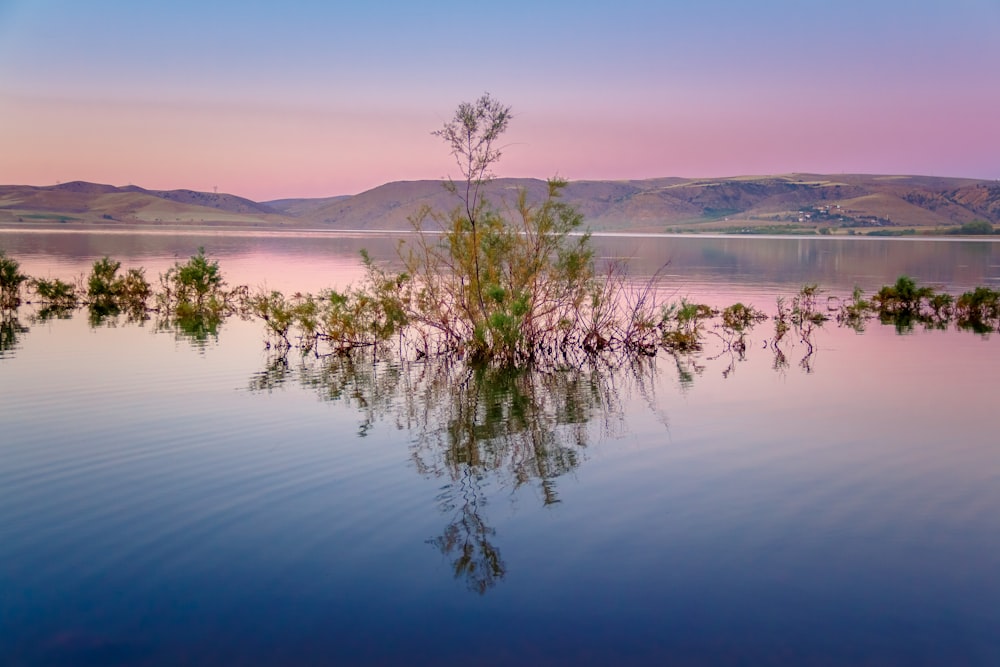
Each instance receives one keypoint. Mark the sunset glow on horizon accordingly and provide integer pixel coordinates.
(321, 100)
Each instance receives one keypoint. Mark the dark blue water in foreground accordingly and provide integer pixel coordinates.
(165, 501)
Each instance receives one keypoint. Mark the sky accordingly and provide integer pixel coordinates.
(310, 99)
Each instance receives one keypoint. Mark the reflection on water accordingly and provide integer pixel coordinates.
(310, 262)
(168, 501)
(480, 430)
(11, 331)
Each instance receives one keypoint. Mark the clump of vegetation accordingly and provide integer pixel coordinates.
(109, 293)
(892, 232)
(280, 314)
(11, 280)
(902, 298)
(782, 322)
(495, 285)
(737, 320)
(345, 319)
(194, 287)
(507, 285)
(682, 324)
(905, 303)
(979, 310)
(940, 307)
(856, 311)
(740, 318)
(805, 307)
(805, 316)
(973, 228)
(193, 298)
(103, 282)
(365, 316)
(55, 293)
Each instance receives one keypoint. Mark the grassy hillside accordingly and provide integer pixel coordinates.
(792, 202)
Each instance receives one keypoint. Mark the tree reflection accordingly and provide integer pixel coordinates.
(198, 329)
(52, 312)
(466, 540)
(11, 330)
(482, 429)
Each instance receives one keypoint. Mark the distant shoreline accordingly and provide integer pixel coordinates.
(251, 229)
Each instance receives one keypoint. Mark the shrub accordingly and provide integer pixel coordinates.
(856, 311)
(109, 293)
(976, 228)
(195, 286)
(805, 306)
(278, 313)
(496, 287)
(739, 318)
(978, 310)
(360, 317)
(55, 292)
(103, 282)
(903, 298)
(11, 280)
(682, 324)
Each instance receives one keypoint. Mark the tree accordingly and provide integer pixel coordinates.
(472, 135)
(976, 227)
(496, 284)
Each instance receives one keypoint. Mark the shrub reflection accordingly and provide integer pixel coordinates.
(483, 430)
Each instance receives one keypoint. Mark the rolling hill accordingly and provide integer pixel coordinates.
(792, 201)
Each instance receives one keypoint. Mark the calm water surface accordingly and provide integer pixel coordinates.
(165, 501)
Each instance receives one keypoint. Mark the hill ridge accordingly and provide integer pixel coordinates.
(655, 204)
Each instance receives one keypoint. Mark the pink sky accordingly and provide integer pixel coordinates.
(280, 106)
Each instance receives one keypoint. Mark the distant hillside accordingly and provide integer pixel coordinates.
(794, 201)
(661, 204)
(296, 207)
(91, 202)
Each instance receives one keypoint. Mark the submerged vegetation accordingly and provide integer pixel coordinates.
(614, 317)
(11, 280)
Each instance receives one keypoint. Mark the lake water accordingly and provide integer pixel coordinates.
(169, 501)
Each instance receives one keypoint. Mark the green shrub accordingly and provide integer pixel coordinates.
(11, 280)
(855, 311)
(109, 293)
(974, 228)
(103, 282)
(739, 318)
(195, 286)
(903, 298)
(55, 292)
(805, 306)
(978, 310)
(496, 287)
(681, 325)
